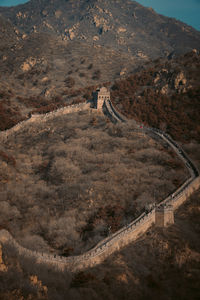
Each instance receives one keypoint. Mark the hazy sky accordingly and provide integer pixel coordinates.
(187, 11)
(11, 2)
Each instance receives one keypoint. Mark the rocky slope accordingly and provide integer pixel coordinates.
(119, 24)
(92, 41)
(50, 51)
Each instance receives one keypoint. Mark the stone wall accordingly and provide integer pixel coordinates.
(126, 234)
(39, 118)
(101, 95)
(115, 115)
(164, 215)
(184, 195)
(107, 246)
(93, 257)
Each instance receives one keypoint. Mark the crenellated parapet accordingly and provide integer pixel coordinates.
(164, 215)
(99, 97)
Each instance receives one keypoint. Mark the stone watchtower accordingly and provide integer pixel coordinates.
(164, 215)
(100, 96)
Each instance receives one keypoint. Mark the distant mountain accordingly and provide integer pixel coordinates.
(48, 48)
(120, 24)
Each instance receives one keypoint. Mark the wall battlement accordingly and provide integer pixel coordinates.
(99, 97)
(164, 215)
(39, 118)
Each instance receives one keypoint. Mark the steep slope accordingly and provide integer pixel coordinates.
(51, 50)
(165, 94)
(119, 24)
(8, 35)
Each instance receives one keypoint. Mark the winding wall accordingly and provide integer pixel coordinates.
(39, 118)
(126, 234)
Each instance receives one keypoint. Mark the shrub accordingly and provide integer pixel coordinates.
(69, 82)
(96, 75)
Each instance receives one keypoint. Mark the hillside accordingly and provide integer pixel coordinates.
(78, 44)
(72, 180)
(163, 264)
(85, 176)
(124, 25)
(165, 94)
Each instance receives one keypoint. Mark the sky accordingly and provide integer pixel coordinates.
(12, 2)
(187, 11)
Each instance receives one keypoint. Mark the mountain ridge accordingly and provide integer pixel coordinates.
(122, 25)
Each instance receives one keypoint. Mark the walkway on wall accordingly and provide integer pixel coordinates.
(179, 151)
(193, 170)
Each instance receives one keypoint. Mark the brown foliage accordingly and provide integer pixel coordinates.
(8, 116)
(82, 278)
(137, 97)
(69, 82)
(96, 75)
(9, 159)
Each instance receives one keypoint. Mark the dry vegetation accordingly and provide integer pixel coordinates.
(163, 264)
(70, 182)
(177, 110)
(16, 107)
(9, 115)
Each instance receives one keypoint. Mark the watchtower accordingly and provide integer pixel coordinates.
(100, 96)
(164, 215)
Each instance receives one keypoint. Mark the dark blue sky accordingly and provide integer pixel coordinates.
(187, 11)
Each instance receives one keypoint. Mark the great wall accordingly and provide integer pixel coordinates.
(161, 215)
(39, 118)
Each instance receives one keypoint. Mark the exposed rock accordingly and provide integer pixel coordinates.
(28, 64)
(71, 34)
(157, 78)
(42, 289)
(102, 23)
(24, 36)
(44, 79)
(32, 62)
(95, 38)
(195, 51)
(180, 81)
(142, 55)
(3, 267)
(21, 15)
(121, 30)
(165, 89)
(123, 72)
